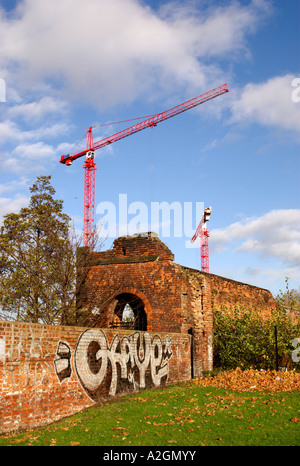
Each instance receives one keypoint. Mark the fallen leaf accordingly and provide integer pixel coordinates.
(295, 419)
(244, 380)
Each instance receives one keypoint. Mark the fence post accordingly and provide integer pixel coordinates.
(276, 347)
(190, 332)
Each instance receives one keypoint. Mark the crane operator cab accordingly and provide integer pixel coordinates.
(90, 155)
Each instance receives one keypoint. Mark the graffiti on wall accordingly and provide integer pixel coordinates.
(62, 364)
(23, 360)
(131, 362)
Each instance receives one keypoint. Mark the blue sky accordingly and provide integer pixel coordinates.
(71, 64)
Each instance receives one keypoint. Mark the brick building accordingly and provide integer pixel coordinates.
(140, 272)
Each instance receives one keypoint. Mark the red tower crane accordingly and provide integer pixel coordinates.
(91, 146)
(203, 233)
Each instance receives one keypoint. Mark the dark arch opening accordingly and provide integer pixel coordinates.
(129, 313)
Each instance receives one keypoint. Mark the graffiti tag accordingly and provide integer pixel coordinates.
(62, 364)
(137, 360)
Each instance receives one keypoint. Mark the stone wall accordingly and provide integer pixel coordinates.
(49, 372)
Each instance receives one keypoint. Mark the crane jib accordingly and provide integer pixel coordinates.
(150, 122)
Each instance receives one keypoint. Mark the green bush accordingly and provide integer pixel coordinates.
(244, 339)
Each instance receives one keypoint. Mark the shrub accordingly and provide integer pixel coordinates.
(242, 338)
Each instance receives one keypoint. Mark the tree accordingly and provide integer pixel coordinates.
(289, 301)
(38, 260)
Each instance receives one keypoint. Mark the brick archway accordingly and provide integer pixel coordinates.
(138, 302)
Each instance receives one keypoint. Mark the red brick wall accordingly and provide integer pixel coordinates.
(49, 372)
(227, 294)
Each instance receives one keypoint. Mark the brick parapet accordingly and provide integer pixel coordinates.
(136, 248)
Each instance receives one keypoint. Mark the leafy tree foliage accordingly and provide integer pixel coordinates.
(244, 339)
(38, 260)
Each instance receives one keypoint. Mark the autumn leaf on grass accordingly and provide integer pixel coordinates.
(17, 440)
(32, 439)
(74, 444)
(295, 419)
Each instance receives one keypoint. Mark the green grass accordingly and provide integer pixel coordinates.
(183, 415)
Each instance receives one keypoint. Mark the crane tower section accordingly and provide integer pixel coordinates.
(203, 233)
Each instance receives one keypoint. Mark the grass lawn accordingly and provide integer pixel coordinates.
(182, 415)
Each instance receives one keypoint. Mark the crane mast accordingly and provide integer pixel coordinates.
(203, 233)
(91, 146)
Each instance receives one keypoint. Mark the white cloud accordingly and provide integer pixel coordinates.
(30, 158)
(8, 205)
(269, 103)
(275, 234)
(29, 152)
(37, 110)
(270, 275)
(111, 52)
(13, 185)
(11, 132)
(8, 130)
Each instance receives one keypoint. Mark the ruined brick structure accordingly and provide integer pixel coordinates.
(48, 372)
(165, 297)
